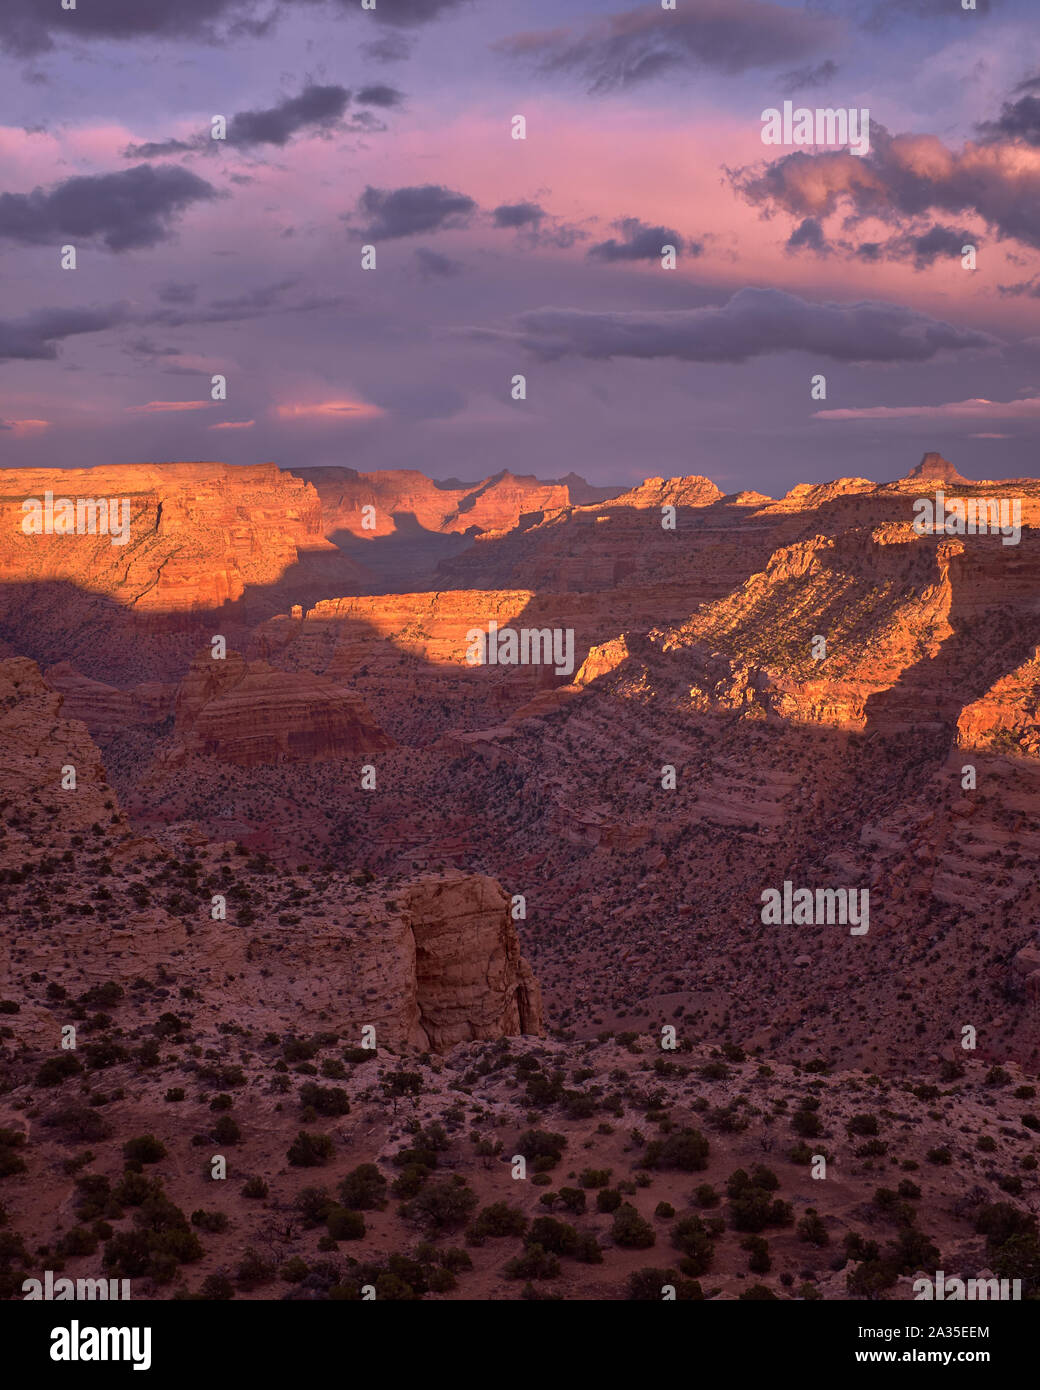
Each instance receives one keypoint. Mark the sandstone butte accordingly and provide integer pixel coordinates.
(429, 963)
(249, 712)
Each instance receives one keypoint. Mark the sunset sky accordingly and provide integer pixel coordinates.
(498, 256)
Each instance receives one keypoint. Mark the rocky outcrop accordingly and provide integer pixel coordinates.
(1007, 718)
(249, 713)
(105, 709)
(934, 468)
(691, 491)
(404, 497)
(198, 533)
(40, 749)
(470, 979)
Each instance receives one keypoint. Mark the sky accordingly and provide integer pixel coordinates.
(392, 127)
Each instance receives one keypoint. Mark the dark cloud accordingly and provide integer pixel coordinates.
(923, 248)
(409, 14)
(158, 149)
(536, 227)
(127, 210)
(31, 26)
(316, 108)
(887, 12)
(388, 48)
(1018, 120)
(518, 215)
(433, 266)
(1026, 287)
(812, 76)
(148, 351)
(729, 36)
(901, 178)
(251, 304)
(809, 234)
(380, 95)
(754, 322)
(178, 292)
(641, 243)
(35, 337)
(410, 211)
(938, 241)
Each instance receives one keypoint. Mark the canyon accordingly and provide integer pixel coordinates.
(296, 800)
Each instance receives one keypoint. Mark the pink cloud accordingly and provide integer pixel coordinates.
(340, 410)
(154, 406)
(21, 427)
(1027, 408)
(233, 425)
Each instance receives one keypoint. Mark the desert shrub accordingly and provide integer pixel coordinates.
(344, 1224)
(364, 1188)
(594, 1177)
(630, 1231)
(314, 1205)
(211, 1221)
(217, 1287)
(686, 1149)
(862, 1124)
(78, 1241)
(78, 1124)
(542, 1148)
(57, 1069)
(253, 1270)
(752, 1206)
(226, 1131)
(144, 1149)
(1000, 1221)
(691, 1237)
(326, 1100)
(557, 1237)
(806, 1124)
(498, 1219)
(811, 1228)
(310, 1150)
(533, 1263)
(574, 1199)
(760, 1261)
(1018, 1257)
(443, 1206)
(294, 1271)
